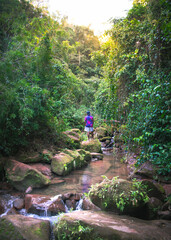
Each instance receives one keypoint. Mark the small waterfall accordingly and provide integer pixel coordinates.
(79, 205)
(51, 219)
(9, 200)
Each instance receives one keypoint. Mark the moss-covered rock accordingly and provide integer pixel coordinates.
(70, 229)
(22, 176)
(43, 156)
(101, 132)
(18, 227)
(104, 139)
(93, 225)
(72, 138)
(86, 155)
(81, 157)
(92, 145)
(120, 196)
(64, 162)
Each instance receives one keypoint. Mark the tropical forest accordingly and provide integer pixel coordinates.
(58, 181)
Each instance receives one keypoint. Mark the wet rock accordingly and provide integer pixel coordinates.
(18, 204)
(73, 138)
(6, 203)
(21, 176)
(93, 225)
(101, 132)
(18, 227)
(72, 196)
(92, 145)
(43, 204)
(71, 204)
(71, 200)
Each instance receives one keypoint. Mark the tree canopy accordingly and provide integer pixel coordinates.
(135, 63)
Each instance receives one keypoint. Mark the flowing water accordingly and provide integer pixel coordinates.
(79, 181)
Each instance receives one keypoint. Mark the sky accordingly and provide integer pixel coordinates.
(93, 13)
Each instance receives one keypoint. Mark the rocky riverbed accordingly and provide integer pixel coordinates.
(46, 184)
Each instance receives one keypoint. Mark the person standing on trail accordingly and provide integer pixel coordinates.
(89, 125)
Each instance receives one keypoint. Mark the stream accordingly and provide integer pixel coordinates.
(78, 181)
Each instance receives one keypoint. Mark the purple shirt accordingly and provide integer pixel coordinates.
(89, 121)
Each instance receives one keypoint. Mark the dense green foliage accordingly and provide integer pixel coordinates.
(135, 64)
(41, 61)
(51, 72)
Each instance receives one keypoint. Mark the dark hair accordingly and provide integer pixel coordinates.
(88, 113)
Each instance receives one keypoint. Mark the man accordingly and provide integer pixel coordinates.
(89, 125)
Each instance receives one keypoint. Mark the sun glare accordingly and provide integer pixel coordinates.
(93, 13)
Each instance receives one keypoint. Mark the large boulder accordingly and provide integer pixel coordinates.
(18, 227)
(90, 225)
(64, 162)
(92, 145)
(101, 132)
(120, 196)
(21, 176)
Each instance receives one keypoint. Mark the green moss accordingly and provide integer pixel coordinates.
(31, 178)
(38, 232)
(62, 164)
(8, 231)
(119, 194)
(93, 145)
(73, 230)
